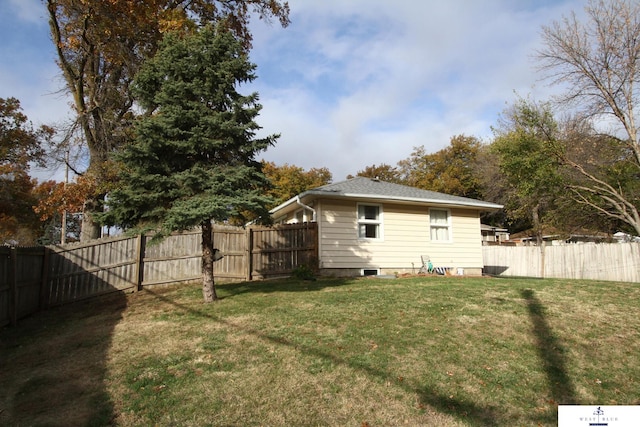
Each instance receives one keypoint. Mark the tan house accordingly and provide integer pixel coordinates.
(371, 227)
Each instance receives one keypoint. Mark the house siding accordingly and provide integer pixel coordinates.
(405, 237)
(466, 249)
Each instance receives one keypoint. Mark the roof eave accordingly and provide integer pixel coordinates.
(448, 203)
(289, 202)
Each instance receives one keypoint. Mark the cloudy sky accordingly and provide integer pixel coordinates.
(350, 83)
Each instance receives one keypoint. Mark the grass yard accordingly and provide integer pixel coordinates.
(419, 351)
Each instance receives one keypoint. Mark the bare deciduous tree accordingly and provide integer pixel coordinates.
(598, 60)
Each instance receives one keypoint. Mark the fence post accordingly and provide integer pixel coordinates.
(249, 253)
(13, 286)
(139, 270)
(44, 284)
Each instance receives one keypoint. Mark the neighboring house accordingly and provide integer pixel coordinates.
(554, 237)
(370, 227)
(622, 237)
(493, 235)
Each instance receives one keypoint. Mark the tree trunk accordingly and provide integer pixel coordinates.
(537, 226)
(208, 283)
(90, 229)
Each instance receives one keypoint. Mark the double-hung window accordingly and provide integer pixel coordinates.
(369, 221)
(440, 225)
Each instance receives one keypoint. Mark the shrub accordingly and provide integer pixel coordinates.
(303, 272)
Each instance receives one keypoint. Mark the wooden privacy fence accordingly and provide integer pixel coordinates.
(21, 272)
(33, 279)
(602, 261)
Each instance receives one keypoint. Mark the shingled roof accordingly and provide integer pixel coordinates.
(361, 187)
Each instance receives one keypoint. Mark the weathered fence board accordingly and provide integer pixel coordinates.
(233, 243)
(36, 278)
(29, 279)
(602, 261)
(20, 288)
(80, 271)
(176, 258)
(6, 273)
(277, 251)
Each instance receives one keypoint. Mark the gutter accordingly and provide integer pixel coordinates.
(478, 204)
(469, 203)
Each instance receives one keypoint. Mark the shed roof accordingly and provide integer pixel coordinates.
(369, 188)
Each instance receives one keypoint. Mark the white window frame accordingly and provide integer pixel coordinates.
(363, 270)
(377, 222)
(446, 227)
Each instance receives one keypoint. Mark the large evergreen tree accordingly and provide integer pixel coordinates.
(101, 45)
(193, 160)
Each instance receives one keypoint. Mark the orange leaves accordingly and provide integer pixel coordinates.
(20, 143)
(172, 20)
(50, 199)
(289, 180)
(55, 197)
(383, 172)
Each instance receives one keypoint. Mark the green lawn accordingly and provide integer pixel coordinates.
(360, 352)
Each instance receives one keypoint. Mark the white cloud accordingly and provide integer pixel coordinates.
(389, 76)
(349, 83)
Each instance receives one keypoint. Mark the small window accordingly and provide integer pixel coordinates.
(369, 222)
(439, 220)
(370, 272)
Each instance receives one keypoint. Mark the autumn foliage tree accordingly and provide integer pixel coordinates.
(289, 180)
(20, 142)
(382, 171)
(20, 145)
(55, 199)
(450, 170)
(527, 140)
(101, 45)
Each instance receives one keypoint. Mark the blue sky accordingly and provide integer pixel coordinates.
(350, 83)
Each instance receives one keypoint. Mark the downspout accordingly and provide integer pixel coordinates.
(318, 240)
(307, 207)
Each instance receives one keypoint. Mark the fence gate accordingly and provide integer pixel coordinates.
(277, 251)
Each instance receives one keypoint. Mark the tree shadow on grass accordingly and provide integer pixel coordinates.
(462, 409)
(280, 285)
(53, 365)
(550, 352)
